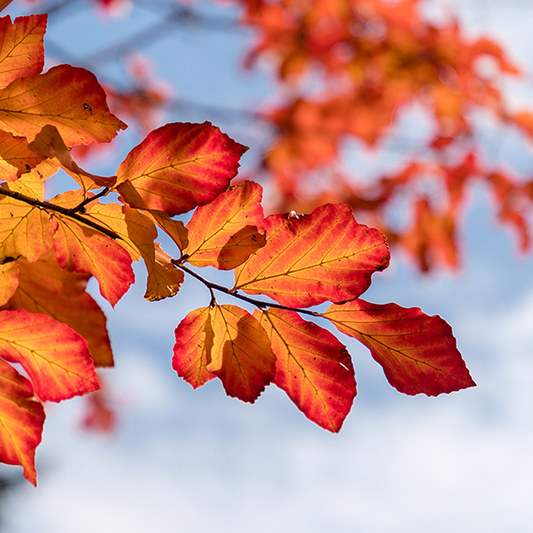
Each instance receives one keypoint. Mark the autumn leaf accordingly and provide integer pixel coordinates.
(312, 367)
(21, 47)
(55, 357)
(15, 157)
(309, 259)
(9, 279)
(178, 167)
(175, 229)
(136, 231)
(241, 355)
(50, 145)
(417, 352)
(225, 232)
(31, 184)
(80, 248)
(43, 287)
(164, 279)
(66, 97)
(21, 421)
(192, 350)
(25, 230)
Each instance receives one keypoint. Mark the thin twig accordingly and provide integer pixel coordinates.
(258, 303)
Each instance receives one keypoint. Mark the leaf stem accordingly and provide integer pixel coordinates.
(258, 303)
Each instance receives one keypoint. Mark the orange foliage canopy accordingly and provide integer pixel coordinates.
(366, 61)
(50, 248)
(373, 58)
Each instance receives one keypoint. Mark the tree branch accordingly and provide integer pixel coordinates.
(58, 209)
(258, 303)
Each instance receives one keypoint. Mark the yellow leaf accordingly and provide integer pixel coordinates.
(241, 355)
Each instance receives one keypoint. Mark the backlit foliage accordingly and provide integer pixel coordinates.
(50, 248)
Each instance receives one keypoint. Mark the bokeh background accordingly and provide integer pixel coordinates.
(197, 461)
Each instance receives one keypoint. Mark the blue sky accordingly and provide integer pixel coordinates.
(196, 461)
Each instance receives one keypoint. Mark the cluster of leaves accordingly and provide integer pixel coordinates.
(57, 333)
(370, 59)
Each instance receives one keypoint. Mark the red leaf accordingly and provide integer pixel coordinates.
(312, 367)
(192, 351)
(55, 357)
(44, 287)
(21, 421)
(179, 167)
(417, 352)
(309, 259)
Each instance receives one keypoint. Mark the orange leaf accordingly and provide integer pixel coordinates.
(164, 279)
(312, 367)
(21, 421)
(179, 167)
(225, 232)
(79, 248)
(15, 157)
(136, 231)
(309, 259)
(30, 184)
(417, 352)
(24, 230)
(44, 287)
(175, 229)
(241, 355)
(49, 144)
(192, 350)
(66, 97)
(21, 47)
(55, 357)
(137, 234)
(9, 279)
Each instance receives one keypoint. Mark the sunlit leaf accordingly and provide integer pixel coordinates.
(175, 229)
(136, 231)
(55, 357)
(309, 259)
(44, 287)
(225, 232)
(164, 279)
(9, 280)
(80, 248)
(25, 230)
(21, 421)
(66, 97)
(21, 47)
(15, 157)
(241, 355)
(31, 183)
(312, 367)
(417, 352)
(192, 350)
(49, 144)
(178, 167)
